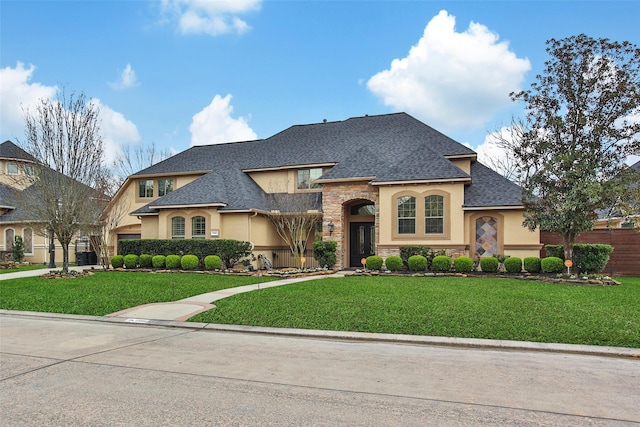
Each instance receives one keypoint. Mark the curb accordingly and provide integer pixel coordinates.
(475, 343)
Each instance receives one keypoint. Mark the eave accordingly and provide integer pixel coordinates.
(425, 181)
(491, 208)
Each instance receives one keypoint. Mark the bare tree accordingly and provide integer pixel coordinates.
(506, 142)
(110, 219)
(66, 189)
(294, 216)
(132, 160)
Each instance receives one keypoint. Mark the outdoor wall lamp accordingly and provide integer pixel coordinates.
(331, 226)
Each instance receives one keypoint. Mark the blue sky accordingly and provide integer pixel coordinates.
(182, 72)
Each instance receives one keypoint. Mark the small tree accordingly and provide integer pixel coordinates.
(17, 249)
(64, 193)
(579, 132)
(294, 216)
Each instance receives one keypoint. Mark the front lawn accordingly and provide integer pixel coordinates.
(446, 306)
(23, 268)
(108, 292)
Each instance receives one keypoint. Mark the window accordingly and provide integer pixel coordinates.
(434, 215)
(145, 188)
(306, 178)
(28, 170)
(406, 215)
(28, 240)
(177, 227)
(198, 227)
(9, 237)
(165, 186)
(12, 168)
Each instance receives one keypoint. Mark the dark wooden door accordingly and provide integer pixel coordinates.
(362, 240)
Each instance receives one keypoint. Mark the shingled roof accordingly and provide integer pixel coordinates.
(9, 150)
(384, 149)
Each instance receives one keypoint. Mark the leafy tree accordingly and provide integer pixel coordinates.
(581, 125)
(66, 191)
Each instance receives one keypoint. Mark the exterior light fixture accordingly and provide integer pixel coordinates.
(331, 226)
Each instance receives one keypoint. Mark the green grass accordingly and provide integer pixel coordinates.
(446, 306)
(108, 292)
(23, 268)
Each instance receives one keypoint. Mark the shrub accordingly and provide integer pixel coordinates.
(374, 262)
(551, 264)
(532, 264)
(463, 264)
(131, 261)
(17, 249)
(145, 261)
(189, 262)
(158, 261)
(393, 263)
(417, 263)
(589, 258)
(513, 264)
(554, 251)
(172, 261)
(441, 263)
(489, 264)
(117, 261)
(325, 253)
(212, 262)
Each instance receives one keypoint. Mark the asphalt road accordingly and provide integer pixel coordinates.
(75, 372)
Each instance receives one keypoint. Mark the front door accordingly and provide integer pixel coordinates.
(362, 242)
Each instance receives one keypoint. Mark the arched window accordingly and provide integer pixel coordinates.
(28, 240)
(198, 227)
(9, 236)
(434, 214)
(486, 236)
(406, 215)
(177, 227)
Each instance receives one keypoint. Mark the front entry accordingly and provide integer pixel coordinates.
(362, 239)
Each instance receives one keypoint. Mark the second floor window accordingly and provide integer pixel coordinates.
(307, 177)
(12, 168)
(145, 188)
(165, 186)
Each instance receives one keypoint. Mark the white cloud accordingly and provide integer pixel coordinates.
(17, 93)
(116, 131)
(214, 124)
(127, 79)
(452, 80)
(209, 17)
(492, 155)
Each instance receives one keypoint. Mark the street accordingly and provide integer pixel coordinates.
(77, 372)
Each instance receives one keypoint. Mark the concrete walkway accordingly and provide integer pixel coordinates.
(183, 309)
(40, 272)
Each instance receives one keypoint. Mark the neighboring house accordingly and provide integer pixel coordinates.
(613, 218)
(384, 182)
(16, 169)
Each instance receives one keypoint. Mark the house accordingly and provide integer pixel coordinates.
(382, 182)
(613, 218)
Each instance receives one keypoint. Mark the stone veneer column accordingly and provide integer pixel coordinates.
(334, 197)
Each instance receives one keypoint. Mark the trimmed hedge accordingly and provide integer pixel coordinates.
(189, 262)
(552, 264)
(158, 261)
(212, 262)
(587, 258)
(441, 263)
(374, 262)
(463, 264)
(131, 261)
(532, 264)
(417, 263)
(172, 261)
(513, 264)
(325, 253)
(230, 251)
(117, 261)
(393, 263)
(489, 264)
(145, 261)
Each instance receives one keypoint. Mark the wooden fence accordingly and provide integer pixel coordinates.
(625, 258)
